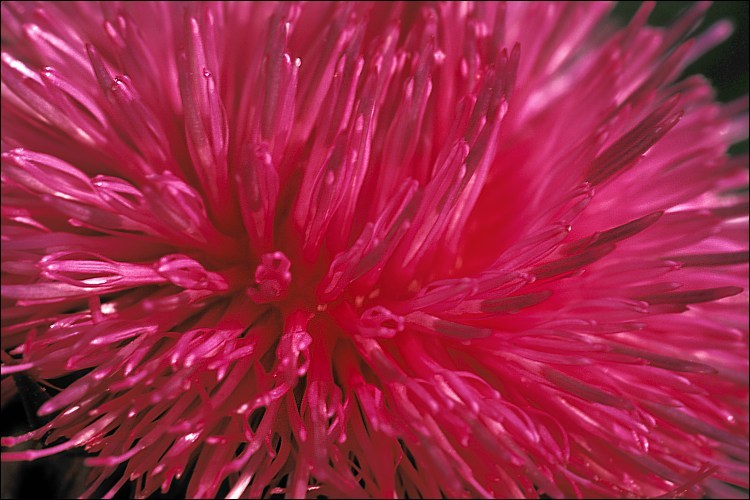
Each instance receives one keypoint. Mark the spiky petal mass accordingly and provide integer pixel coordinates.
(374, 249)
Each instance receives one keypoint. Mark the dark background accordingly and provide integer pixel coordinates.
(726, 66)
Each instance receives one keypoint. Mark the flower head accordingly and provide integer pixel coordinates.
(374, 249)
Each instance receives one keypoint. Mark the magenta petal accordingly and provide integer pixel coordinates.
(373, 249)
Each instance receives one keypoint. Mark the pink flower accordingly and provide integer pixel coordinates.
(374, 249)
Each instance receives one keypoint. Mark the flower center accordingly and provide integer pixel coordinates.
(272, 278)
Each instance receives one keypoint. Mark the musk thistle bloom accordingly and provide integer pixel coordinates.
(374, 249)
